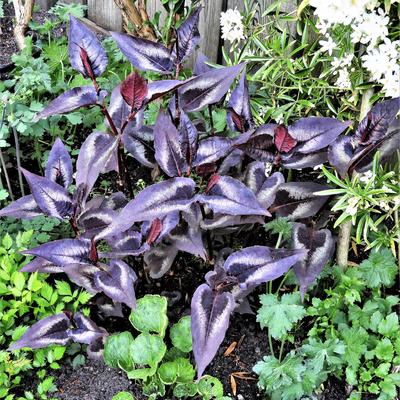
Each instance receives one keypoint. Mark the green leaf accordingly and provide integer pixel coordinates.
(147, 349)
(384, 350)
(389, 326)
(7, 241)
(63, 288)
(280, 316)
(355, 340)
(123, 396)
(117, 351)
(181, 335)
(19, 280)
(379, 269)
(150, 314)
(183, 390)
(210, 387)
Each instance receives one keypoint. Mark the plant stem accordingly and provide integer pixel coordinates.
(208, 237)
(18, 155)
(281, 350)
(211, 118)
(271, 348)
(3, 165)
(397, 221)
(342, 253)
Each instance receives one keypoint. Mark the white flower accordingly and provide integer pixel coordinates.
(371, 28)
(396, 201)
(232, 25)
(317, 167)
(352, 206)
(328, 45)
(343, 80)
(366, 176)
(268, 169)
(384, 205)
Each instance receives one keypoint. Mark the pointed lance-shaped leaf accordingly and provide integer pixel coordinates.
(284, 142)
(316, 133)
(168, 150)
(258, 145)
(117, 282)
(95, 220)
(320, 247)
(71, 100)
(155, 201)
(210, 313)
(158, 89)
(208, 88)
(232, 197)
(212, 149)
(254, 265)
(94, 154)
(82, 275)
(134, 90)
(41, 265)
(376, 123)
(297, 200)
(200, 67)
(187, 37)
(159, 259)
(295, 160)
(50, 330)
(340, 154)
(239, 116)
(144, 54)
(64, 251)
(86, 54)
(25, 208)
(59, 165)
(86, 331)
(139, 143)
(52, 199)
(188, 137)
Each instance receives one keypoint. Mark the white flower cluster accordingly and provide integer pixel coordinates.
(369, 27)
(232, 25)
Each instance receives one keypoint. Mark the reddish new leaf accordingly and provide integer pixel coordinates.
(283, 141)
(134, 90)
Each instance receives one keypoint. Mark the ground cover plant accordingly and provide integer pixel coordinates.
(211, 187)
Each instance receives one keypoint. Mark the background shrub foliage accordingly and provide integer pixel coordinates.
(228, 148)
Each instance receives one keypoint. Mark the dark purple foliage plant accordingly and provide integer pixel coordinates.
(211, 187)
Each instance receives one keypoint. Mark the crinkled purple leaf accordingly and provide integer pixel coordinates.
(375, 125)
(94, 221)
(320, 247)
(86, 331)
(109, 308)
(25, 208)
(210, 313)
(187, 37)
(96, 150)
(140, 145)
(233, 160)
(41, 265)
(59, 165)
(125, 241)
(239, 116)
(208, 88)
(117, 282)
(144, 54)
(52, 199)
(340, 153)
(155, 201)
(50, 330)
(297, 200)
(159, 260)
(295, 160)
(82, 275)
(169, 222)
(254, 265)
(232, 197)
(220, 222)
(63, 252)
(258, 145)
(188, 137)
(316, 133)
(160, 88)
(212, 149)
(86, 54)
(168, 150)
(200, 66)
(71, 100)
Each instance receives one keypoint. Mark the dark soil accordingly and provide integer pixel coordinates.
(7, 43)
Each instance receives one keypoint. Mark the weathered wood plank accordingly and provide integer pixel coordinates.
(45, 4)
(105, 13)
(74, 2)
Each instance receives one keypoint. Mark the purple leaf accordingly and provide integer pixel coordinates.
(87, 331)
(168, 150)
(95, 220)
(51, 198)
(159, 260)
(300, 161)
(188, 137)
(155, 201)
(320, 247)
(169, 222)
(160, 88)
(375, 125)
(82, 275)
(86, 54)
(71, 100)
(254, 265)
(59, 165)
(25, 208)
(239, 115)
(258, 145)
(316, 133)
(96, 150)
(210, 313)
(134, 90)
(232, 197)
(144, 54)
(283, 141)
(200, 66)
(212, 149)
(340, 154)
(41, 265)
(63, 252)
(50, 330)
(125, 241)
(297, 200)
(208, 88)
(187, 37)
(117, 283)
(139, 143)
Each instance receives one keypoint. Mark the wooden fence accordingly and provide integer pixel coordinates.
(107, 15)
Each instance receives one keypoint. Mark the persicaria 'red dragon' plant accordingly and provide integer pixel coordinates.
(177, 213)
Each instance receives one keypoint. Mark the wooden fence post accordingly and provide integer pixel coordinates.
(105, 13)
